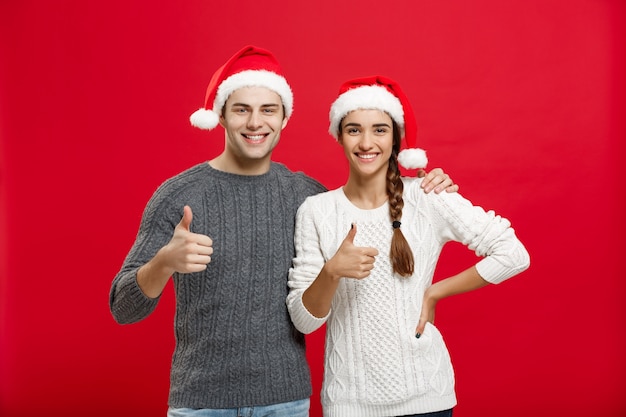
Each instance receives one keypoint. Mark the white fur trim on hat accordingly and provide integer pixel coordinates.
(204, 119)
(207, 119)
(413, 158)
(254, 78)
(365, 98)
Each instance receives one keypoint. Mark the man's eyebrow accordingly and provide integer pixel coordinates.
(262, 105)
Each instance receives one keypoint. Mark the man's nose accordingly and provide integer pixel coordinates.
(255, 121)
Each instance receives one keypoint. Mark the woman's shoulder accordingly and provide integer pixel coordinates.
(412, 188)
(414, 195)
(411, 182)
(324, 198)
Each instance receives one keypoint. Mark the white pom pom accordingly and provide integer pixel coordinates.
(204, 119)
(413, 158)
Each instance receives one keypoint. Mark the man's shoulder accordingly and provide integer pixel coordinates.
(181, 184)
(188, 176)
(298, 178)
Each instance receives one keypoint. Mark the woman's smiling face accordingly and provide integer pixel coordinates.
(367, 140)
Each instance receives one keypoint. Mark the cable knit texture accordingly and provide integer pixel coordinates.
(235, 343)
(374, 365)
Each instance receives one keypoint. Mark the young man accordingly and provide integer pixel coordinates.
(223, 230)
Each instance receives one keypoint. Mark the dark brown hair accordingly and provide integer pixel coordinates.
(400, 253)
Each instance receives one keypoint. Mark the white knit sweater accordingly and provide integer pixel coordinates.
(374, 365)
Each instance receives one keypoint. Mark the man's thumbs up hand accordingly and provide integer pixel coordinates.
(187, 252)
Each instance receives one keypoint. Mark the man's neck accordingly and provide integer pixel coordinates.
(238, 167)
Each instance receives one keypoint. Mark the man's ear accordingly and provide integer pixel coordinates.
(222, 122)
(285, 120)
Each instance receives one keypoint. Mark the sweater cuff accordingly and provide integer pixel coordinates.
(129, 304)
(304, 321)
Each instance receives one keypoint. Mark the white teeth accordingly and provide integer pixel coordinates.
(367, 156)
(255, 137)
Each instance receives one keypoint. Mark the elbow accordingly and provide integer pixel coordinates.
(302, 328)
(302, 320)
(121, 321)
(519, 258)
(301, 323)
(125, 313)
(127, 319)
(525, 260)
(121, 318)
(307, 328)
(521, 263)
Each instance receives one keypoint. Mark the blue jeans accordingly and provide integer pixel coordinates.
(444, 413)
(299, 408)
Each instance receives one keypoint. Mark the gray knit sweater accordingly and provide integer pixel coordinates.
(235, 343)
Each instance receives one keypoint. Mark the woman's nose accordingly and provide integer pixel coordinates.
(366, 141)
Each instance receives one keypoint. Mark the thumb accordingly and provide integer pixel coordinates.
(351, 233)
(185, 222)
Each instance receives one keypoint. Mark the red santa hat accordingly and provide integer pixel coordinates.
(250, 67)
(380, 93)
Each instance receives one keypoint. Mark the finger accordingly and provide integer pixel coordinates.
(185, 222)
(434, 174)
(431, 179)
(351, 233)
(453, 189)
(420, 328)
(199, 259)
(370, 252)
(443, 184)
(203, 250)
(204, 240)
(362, 275)
(438, 183)
(197, 267)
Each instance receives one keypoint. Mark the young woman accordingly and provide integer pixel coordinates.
(365, 258)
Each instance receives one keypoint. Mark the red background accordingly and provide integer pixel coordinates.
(521, 101)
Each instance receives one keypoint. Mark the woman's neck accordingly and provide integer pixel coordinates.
(366, 194)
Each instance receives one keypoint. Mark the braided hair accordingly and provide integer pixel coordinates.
(400, 254)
